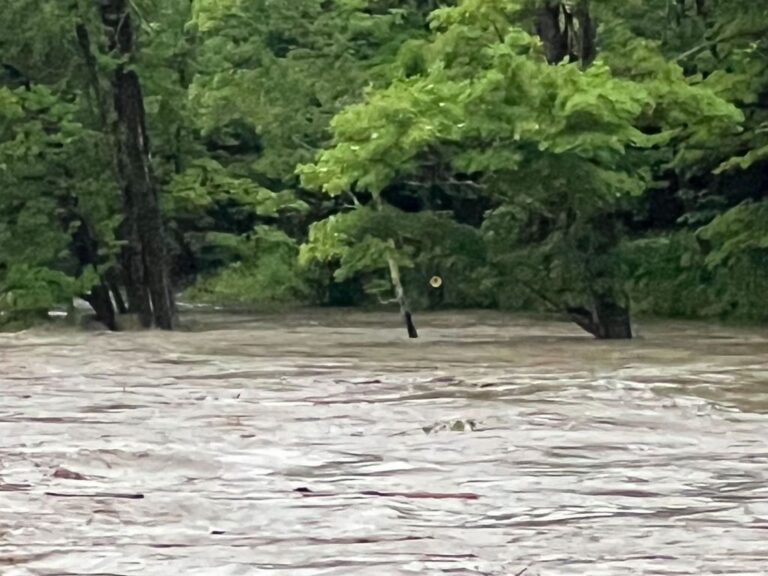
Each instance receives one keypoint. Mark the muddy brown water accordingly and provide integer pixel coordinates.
(325, 443)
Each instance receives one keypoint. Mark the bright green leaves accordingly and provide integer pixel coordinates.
(382, 139)
(491, 120)
(27, 290)
(566, 146)
(209, 14)
(359, 243)
(490, 14)
(752, 157)
(510, 105)
(207, 183)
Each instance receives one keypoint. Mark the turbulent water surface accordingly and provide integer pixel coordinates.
(325, 443)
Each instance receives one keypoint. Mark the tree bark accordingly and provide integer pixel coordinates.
(607, 318)
(112, 278)
(394, 273)
(606, 321)
(148, 280)
(548, 28)
(86, 250)
(567, 31)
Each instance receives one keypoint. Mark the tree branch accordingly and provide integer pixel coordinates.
(450, 182)
(696, 50)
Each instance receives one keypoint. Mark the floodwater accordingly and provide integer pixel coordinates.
(326, 443)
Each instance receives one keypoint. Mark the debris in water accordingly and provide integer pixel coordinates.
(97, 495)
(304, 491)
(65, 474)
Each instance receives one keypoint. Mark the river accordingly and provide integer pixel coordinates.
(326, 443)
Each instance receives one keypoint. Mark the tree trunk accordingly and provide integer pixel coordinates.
(131, 253)
(100, 301)
(548, 28)
(607, 321)
(613, 320)
(607, 318)
(567, 31)
(113, 282)
(394, 273)
(86, 250)
(148, 279)
(136, 289)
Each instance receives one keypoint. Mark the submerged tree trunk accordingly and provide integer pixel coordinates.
(148, 282)
(86, 250)
(606, 321)
(112, 278)
(102, 109)
(613, 320)
(607, 316)
(394, 273)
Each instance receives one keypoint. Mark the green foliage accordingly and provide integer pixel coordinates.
(556, 145)
(263, 271)
(673, 276)
(741, 232)
(308, 141)
(285, 68)
(667, 277)
(28, 293)
(360, 242)
(50, 186)
(207, 183)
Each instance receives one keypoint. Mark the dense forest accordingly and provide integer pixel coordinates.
(597, 159)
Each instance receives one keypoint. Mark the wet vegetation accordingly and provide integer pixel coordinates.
(596, 159)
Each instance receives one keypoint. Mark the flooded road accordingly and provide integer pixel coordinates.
(326, 443)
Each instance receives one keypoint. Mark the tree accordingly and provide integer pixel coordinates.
(559, 150)
(148, 282)
(569, 155)
(53, 171)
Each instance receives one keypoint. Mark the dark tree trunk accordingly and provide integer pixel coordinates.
(607, 321)
(613, 320)
(101, 302)
(405, 311)
(87, 253)
(548, 28)
(606, 318)
(136, 289)
(113, 282)
(583, 34)
(567, 31)
(409, 325)
(148, 280)
(117, 297)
